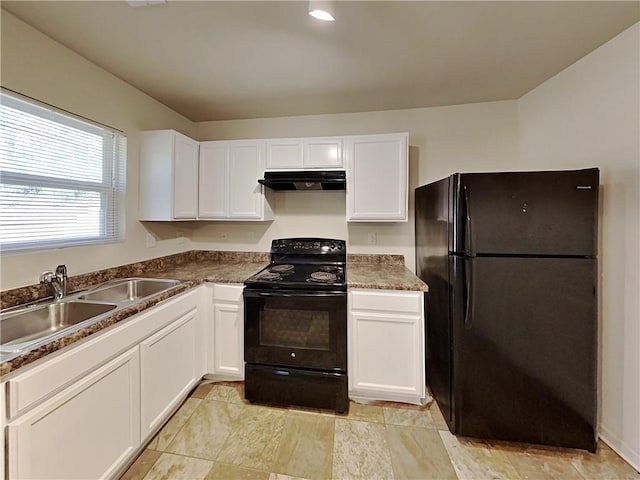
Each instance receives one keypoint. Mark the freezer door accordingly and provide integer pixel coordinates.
(432, 221)
(527, 213)
(525, 350)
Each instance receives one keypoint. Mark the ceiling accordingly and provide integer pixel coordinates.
(216, 60)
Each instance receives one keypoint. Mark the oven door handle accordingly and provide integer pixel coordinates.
(257, 294)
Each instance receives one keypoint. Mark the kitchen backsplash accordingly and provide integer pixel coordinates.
(31, 293)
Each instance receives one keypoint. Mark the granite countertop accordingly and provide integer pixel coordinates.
(218, 271)
(385, 272)
(198, 266)
(194, 268)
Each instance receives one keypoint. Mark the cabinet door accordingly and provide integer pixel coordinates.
(185, 177)
(228, 337)
(377, 170)
(325, 152)
(386, 354)
(168, 369)
(299, 153)
(245, 193)
(155, 201)
(386, 345)
(84, 432)
(284, 154)
(212, 190)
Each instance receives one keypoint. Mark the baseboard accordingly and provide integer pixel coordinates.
(217, 377)
(617, 445)
(368, 397)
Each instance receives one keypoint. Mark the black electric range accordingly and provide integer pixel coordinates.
(296, 326)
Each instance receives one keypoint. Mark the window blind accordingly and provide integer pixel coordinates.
(62, 179)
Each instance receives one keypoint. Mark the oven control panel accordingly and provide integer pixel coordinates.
(308, 245)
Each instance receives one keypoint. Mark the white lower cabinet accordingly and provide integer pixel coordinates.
(85, 411)
(168, 370)
(84, 432)
(386, 345)
(226, 358)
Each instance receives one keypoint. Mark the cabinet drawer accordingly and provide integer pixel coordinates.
(229, 293)
(386, 301)
(44, 379)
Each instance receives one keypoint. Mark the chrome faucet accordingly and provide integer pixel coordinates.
(58, 281)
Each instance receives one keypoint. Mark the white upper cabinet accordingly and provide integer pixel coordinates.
(304, 153)
(168, 176)
(228, 184)
(181, 179)
(185, 177)
(284, 154)
(322, 153)
(377, 177)
(212, 201)
(246, 166)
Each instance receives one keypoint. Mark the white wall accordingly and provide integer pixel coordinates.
(443, 140)
(35, 65)
(589, 115)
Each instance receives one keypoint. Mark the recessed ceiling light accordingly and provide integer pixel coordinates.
(145, 3)
(322, 10)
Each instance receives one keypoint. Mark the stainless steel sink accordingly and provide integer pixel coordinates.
(25, 328)
(18, 328)
(130, 289)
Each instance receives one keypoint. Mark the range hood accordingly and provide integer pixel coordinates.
(305, 180)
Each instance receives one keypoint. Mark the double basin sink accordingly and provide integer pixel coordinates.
(25, 328)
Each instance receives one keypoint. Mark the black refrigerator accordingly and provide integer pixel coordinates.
(511, 312)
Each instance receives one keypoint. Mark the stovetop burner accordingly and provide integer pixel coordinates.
(269, 276)
(322, 276)
(331, 269)
(303, 263)
(285, 267)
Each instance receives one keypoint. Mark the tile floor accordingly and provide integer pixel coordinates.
(217, 435)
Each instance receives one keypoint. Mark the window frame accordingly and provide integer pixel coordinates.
(111, 189)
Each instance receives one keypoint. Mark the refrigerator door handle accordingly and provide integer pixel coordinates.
(468, 246)
(469, 288)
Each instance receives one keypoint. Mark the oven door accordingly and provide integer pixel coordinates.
(296, 328)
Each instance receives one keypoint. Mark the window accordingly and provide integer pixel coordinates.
(62, 178)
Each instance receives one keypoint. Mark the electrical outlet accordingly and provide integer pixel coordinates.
(372, 238)
(151, 240)
(180, 237)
